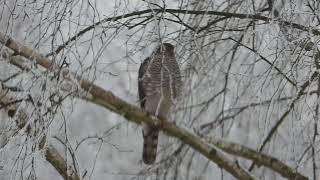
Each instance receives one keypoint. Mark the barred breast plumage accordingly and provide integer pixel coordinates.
(159, 85)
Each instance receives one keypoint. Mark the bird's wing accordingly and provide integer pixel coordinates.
(176, 84)
(142, 71)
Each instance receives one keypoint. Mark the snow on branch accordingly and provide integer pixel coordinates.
(132, 113)
(107, 99)
(176, 12)
(258, 157)
(10, 104)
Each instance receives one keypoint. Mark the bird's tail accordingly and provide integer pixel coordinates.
(150, 143)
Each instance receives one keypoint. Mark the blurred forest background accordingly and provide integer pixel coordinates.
(250, 73)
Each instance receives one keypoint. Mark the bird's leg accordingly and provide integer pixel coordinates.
(162, 121)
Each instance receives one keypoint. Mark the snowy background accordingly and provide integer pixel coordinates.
(230, 92)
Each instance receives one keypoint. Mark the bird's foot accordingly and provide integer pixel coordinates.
(162, 121)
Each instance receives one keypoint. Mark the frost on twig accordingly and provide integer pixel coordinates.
(110, 101)
(27, 110)
(132, 113)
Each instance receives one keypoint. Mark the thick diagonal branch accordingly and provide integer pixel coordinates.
(257, 157)
(52, 155)
(134, 114)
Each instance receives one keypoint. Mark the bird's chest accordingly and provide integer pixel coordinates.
(160, 79)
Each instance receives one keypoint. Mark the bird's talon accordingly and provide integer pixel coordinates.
(162, 121)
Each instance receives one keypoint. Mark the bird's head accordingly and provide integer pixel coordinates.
(166, 47)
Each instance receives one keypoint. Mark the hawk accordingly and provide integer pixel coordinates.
(159, 84)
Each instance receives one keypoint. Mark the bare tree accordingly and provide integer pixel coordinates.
(249, 107)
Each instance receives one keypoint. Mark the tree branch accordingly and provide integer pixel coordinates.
(258, 157)
(314, 31)
(275, 127)
(132, 113)
(267, 61)
(57, 161)
(51, 153)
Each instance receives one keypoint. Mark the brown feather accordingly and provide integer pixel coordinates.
(150, 143)
(159, 83)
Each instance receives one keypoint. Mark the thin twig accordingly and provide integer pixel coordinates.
(181, 11)
(132, 113)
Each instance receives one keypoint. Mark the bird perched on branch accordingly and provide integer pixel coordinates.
(159, 84)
